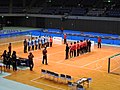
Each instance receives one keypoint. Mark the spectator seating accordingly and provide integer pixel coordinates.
(96, 12)
(4, 9)
(9, 31)
(50, 10)
(18, 10)
(34, 10)
(78, 11)
(113, 12)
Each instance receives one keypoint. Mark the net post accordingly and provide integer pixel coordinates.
(108, 65)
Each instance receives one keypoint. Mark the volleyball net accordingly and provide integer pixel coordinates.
(114, 64)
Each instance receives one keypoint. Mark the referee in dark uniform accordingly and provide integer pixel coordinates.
(25, 46)
(67, 51)
(14, 61)
(10, 48)
(44, 56)
(30, 58)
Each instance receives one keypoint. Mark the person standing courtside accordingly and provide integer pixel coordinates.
(14, 61)
(32, 43)
(65, 36)
(99, 42)
(51, 41)
(67, 51)
(36, 43)
(10, 48)
(78, 48)
(89, 46)
(25, 46)
(4, 56)
(74, 49)
(44, 56)
(39, 42)
(29, 45)
(8, 60)
(30, 58)
(71, 50)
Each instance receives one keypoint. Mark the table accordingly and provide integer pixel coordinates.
(83, 81)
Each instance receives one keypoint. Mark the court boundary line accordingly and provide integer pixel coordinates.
(52, 86)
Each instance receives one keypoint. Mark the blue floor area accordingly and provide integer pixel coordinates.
(6, 84)
(111, 39)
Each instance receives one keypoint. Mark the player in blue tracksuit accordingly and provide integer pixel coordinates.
(46, 40)
(43, 41)
(29, 45)
(39, 42)
(32, 43)
(36, 43)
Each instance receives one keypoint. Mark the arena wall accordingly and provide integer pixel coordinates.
(104, 25)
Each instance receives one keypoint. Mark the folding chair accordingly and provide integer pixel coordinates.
(56, 75)
(52, 74)
(48, 73)
(43, 72)
(69, 78)
(63, 77)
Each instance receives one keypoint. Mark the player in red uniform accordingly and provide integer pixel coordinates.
(99, 42)
(74, 49)
(71, 50)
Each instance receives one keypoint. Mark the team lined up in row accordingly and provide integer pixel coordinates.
(77, 48)
(37, 43)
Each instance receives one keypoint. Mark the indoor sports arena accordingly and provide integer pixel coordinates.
(59, 44)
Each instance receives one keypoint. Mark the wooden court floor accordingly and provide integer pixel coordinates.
(93, 65)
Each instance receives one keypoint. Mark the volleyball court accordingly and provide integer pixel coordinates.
(96, 60)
